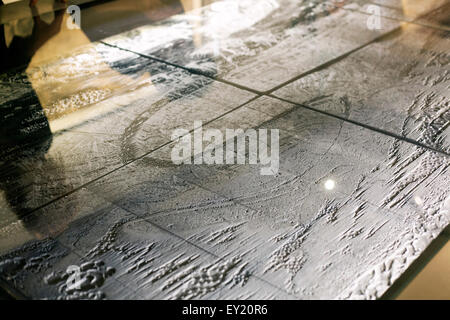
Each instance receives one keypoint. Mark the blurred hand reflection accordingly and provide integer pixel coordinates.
(25, 134)
(26, 137)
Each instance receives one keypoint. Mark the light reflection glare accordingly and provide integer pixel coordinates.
(330, 184)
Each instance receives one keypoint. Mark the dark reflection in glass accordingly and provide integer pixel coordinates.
(25, 136)
(21, 49)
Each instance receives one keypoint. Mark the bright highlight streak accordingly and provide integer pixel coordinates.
(418, 200)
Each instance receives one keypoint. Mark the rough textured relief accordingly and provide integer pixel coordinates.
(100, 212)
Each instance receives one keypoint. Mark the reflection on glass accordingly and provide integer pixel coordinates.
(25, 134)
(330, 184)
(413, 8)
(36, 39)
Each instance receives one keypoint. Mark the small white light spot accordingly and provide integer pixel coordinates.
(418, 200)
(330, 184)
